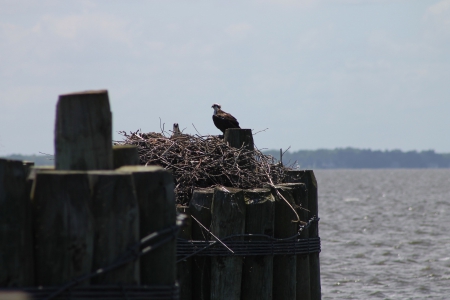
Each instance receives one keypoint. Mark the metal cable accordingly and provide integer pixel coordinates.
(110, 292)
(250, 245)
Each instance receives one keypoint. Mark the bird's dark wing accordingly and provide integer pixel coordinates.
(229, 119)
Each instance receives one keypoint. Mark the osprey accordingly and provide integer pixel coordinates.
(223, 120)
(176, 130)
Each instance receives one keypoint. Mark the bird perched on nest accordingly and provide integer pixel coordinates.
(223, 120)
(176, 130)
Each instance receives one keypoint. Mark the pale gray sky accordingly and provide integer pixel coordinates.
(317, 73)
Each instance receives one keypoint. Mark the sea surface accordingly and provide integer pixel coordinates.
(385, 233)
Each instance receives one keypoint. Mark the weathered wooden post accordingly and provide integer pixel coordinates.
(154, 188)
(184, 268)
(307, 177)
(63, 226)
(125, 155)
(16, 240)
(83, 132)
(237, 137)
(200, 209)
(257, 274)
(28, 165)
(300, 194)
(284, 266)
(116, 225)
(228, 211)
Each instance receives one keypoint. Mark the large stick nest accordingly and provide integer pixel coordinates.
(204, 161)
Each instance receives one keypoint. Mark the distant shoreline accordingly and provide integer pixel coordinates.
(39, 160)
(353, 158)
(339, 158)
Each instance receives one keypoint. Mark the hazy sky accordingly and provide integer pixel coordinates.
(317, 73)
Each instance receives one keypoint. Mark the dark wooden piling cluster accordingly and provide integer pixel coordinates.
(254, 214)
(89, 212)
(97, 206)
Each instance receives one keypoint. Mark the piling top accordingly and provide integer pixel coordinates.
(258, 196)
(228, 189)
(83, 131)
(135, 169)
(52, 171)
(85, 92)
(124, 147)
(107, 172)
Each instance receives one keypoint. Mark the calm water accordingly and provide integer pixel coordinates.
(385, 233)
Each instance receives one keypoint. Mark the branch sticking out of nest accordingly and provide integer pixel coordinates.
(204, 161)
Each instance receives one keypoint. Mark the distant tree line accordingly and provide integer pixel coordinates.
(339, 158)
(352, 158)
(39, 160)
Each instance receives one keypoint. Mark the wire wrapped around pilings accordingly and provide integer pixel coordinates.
(271, 246)
(250, 245)
(145, 245)
(110, 292)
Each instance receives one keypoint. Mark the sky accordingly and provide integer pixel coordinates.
(308, 74)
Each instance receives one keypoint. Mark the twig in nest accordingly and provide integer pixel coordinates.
(260, 131)
(204, 161)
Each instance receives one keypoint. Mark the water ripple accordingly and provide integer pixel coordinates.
(384, 233)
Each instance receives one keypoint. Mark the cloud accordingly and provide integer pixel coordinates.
(383, 43)
(316, 38)
(439, 14)
(239, 30)
(100, 25)
(439, 8)
(362, 2)
(54, 42)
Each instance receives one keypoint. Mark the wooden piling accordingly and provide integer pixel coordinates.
(307, 177)
(63, 227)
(125, 155)
(28, 165)
(16, 240)
(284, 266)
(237, 137)
(184, 268)
(300, 193)
(116, 225)
(155, 193)
(257, 274)
(228, 218)
(200, 209)
(83, 132)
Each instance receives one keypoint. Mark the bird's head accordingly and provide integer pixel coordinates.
(216, 107)
(176, 128)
